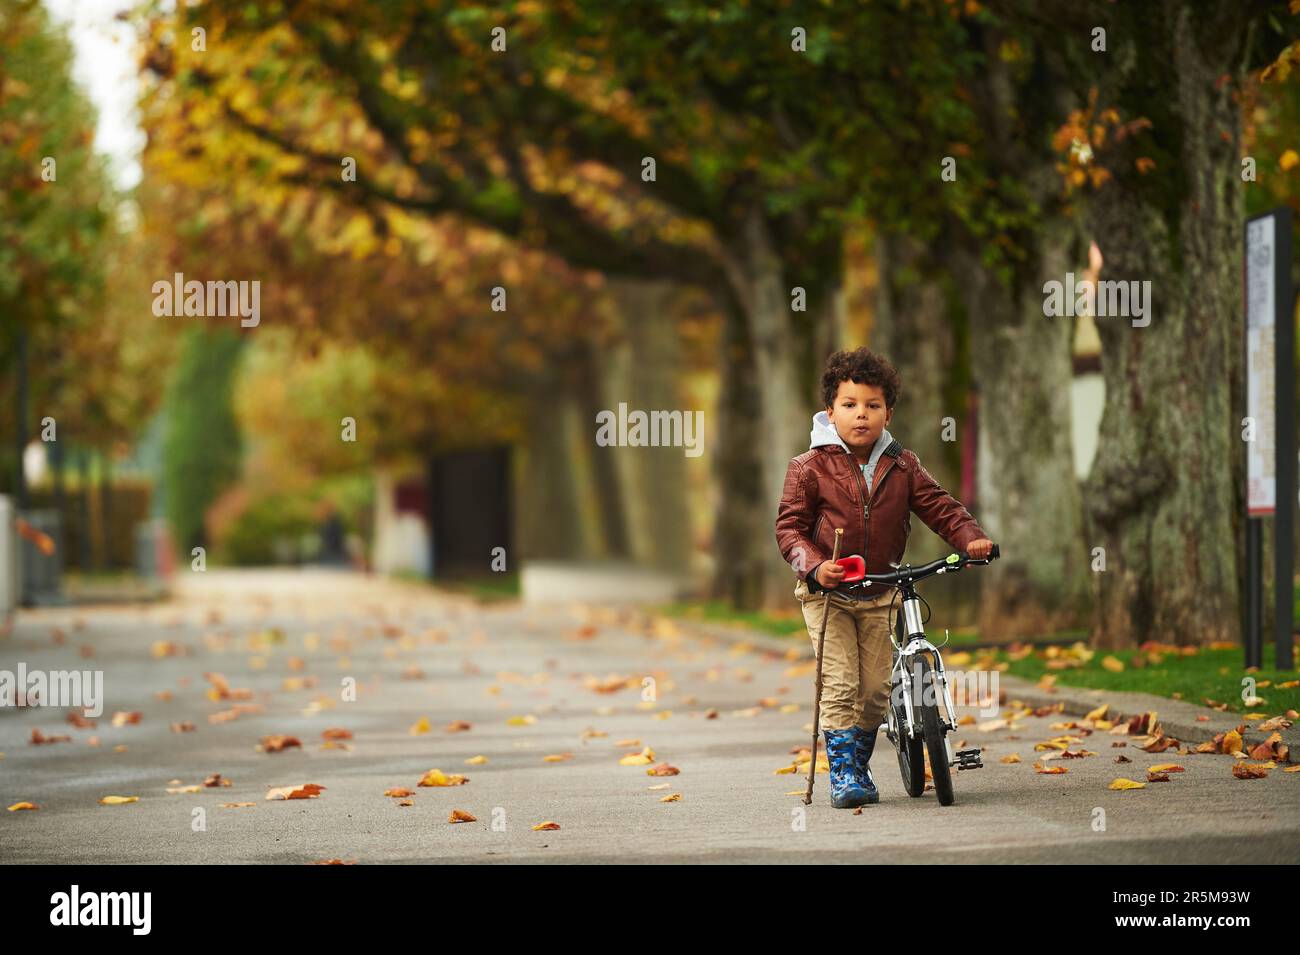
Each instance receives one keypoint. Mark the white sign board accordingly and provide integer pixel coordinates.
(1261, 457)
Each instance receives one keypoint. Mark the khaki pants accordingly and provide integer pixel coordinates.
(856, 660)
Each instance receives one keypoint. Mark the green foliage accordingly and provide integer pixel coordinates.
(255, 536)
(202, 449)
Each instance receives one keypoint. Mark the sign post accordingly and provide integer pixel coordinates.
(1270, 403)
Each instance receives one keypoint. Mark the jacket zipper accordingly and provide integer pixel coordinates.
(863, 496)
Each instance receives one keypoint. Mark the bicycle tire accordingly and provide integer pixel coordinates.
(932, 728)
(911, 754)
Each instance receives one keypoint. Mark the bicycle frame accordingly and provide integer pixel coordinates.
(914, 643)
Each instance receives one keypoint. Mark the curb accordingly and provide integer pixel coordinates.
(1178, 718)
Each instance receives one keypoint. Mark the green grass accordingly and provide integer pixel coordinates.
(777, 623)
(489, 588)
(1212, 674)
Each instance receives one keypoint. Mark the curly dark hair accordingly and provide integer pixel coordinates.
(863, 367)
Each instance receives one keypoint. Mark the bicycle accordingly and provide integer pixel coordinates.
(913, 721)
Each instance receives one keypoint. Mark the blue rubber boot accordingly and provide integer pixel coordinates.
(864, 744)
(846, 793)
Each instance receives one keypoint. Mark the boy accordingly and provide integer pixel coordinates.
(855, 475)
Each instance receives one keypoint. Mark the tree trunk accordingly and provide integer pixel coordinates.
(550, 519)
(759, 287)
(644, 371)
(742, 537)
(1029, 497)
(1161, 494)
(607, 480)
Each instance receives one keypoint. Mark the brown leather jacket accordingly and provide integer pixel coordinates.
(824, 489)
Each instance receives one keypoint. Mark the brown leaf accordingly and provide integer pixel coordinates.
(38, 738)
(662, 769)
(398, 792)
(279, 742)
(546, 826)
(297, 791)
(460, 815)
(336, 733)
(1244, 771)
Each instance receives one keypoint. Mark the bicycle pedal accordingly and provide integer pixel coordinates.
(969, 759)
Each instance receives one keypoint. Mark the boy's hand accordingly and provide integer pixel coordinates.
(829, 574)
(978, 549)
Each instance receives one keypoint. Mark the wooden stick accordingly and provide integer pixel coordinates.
(817, 700)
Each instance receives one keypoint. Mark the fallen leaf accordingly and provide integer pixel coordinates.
(420, 727)
(398, 793)
(476, 761)
(336, 733)
(1166, 768)
(436, 777)
(1122, 784)
(18, 806)
(1246, 771)
(117, 800)
(662, 769)
(458, 726)
(643, 758)
(673, 797)
(278, 743)
(298, 791)
(39, 738)
(460, 815)
(546, 826)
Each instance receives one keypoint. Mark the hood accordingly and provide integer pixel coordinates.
(823, 433)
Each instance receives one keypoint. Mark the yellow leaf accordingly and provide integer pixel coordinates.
(23, 805)
(118, 800)
(672, 797)
(1167, 768)
(1288, 160)
(1113, 664)
(476, 761)
(1231, 742)
(643, 758)
(1099, 713)
(1012, 758)
(1121, 784)
(526, 720)
(421, 726)
(436, 777)
(546, 826)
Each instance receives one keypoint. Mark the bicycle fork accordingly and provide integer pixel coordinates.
(916, 643)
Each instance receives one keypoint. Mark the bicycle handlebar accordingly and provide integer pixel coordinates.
(950, 564)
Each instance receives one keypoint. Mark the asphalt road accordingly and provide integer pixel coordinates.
(725, 716)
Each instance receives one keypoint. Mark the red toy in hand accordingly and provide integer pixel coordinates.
(855, 568)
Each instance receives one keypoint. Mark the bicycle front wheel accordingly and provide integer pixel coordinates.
(933, 728)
